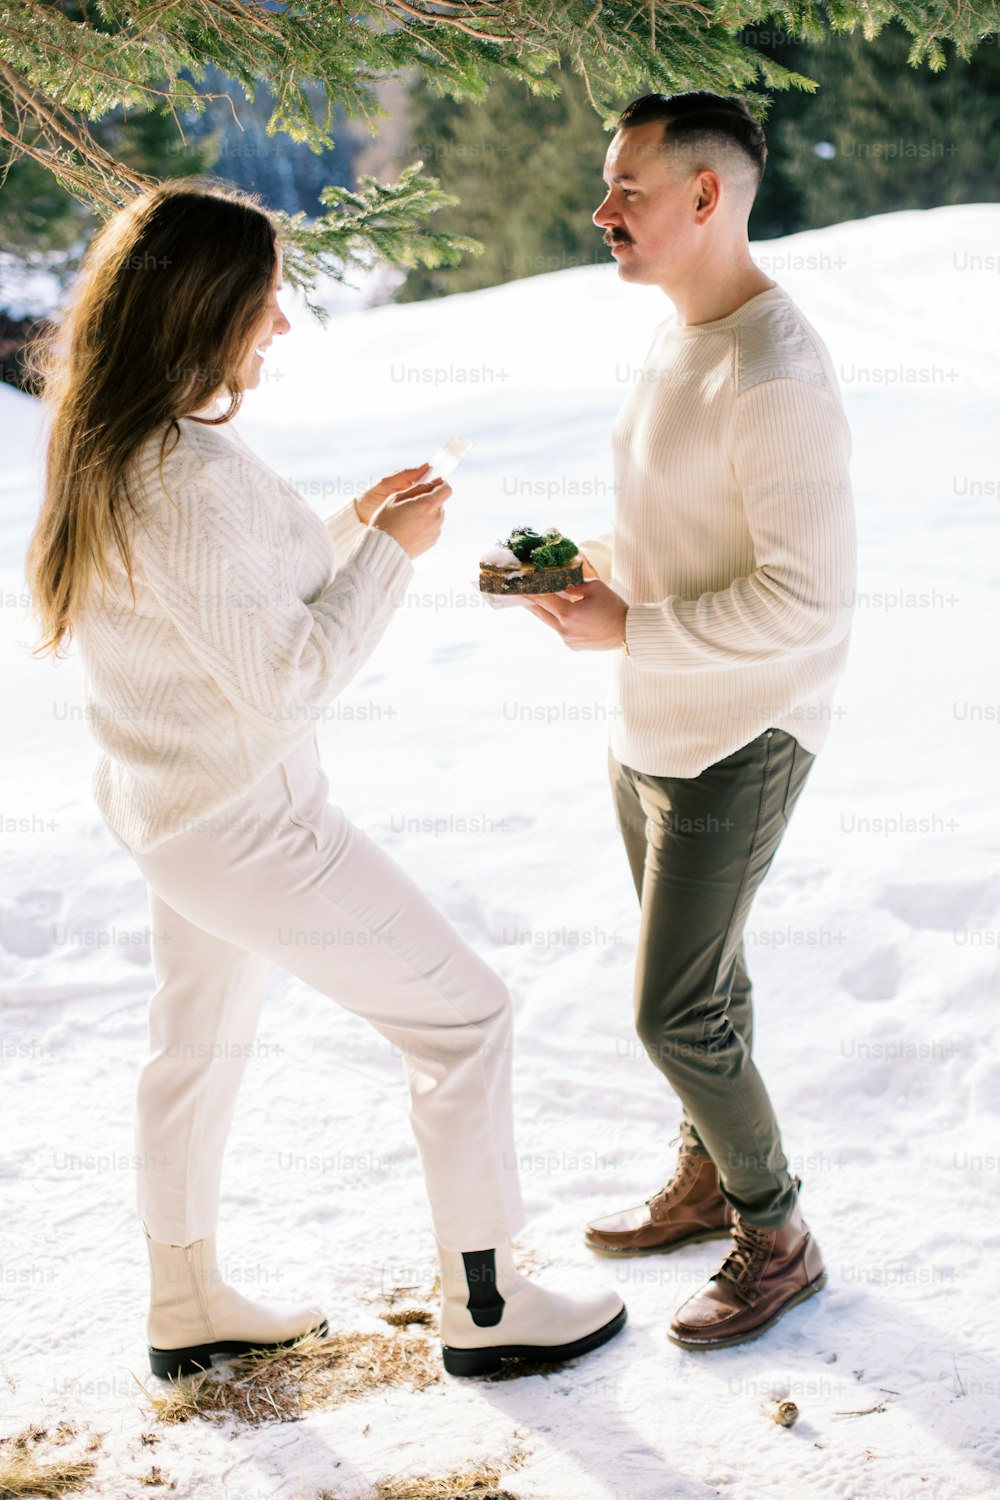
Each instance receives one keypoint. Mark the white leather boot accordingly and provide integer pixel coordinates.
(193, 1313)
(490, 1312)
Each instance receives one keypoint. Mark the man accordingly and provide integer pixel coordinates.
(724, 586)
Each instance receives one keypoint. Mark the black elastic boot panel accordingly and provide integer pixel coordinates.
(485, 1303)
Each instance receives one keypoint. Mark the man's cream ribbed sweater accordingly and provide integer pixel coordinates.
(733, 540)
(250, 614)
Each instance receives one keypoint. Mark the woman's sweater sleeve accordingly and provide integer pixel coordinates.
(790, 451)
(346, 528)
(215, 556)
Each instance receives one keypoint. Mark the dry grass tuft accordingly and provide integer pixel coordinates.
(281, 1385)
(518, 1369)
(156, 1478)
(23, 1470)
(402, 1317)
(471, 1484)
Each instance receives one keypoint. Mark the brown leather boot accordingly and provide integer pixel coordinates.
(766, 1272)
(689, 1209)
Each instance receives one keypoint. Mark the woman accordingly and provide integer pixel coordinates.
(216, 614)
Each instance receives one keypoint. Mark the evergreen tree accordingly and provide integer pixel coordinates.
(66, 64)
(287, 175)
(37, 216)
(878, 136)
(526, 171)
(527, 176)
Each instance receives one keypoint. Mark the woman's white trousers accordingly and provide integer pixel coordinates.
(282, 876)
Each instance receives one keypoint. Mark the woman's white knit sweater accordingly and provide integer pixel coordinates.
(250, 614)
(733, 540)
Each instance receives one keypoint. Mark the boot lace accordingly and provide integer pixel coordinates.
(744, 1264)
(687, 1166)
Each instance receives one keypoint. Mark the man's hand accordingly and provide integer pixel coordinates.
(372, 501)
(589, 618)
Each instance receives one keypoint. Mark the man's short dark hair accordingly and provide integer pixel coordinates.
(699, 118)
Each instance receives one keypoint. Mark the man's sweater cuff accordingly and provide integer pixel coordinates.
(346, 528)
(385, 560)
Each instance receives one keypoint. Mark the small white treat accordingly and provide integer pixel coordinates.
(500, 557)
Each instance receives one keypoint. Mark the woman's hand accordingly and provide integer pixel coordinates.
(415, 516)
(371, 502)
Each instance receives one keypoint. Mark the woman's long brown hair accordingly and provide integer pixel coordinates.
(171, 292)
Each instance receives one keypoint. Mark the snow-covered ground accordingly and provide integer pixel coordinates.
(472, 747)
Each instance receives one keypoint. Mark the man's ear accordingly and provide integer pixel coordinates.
(707, 193)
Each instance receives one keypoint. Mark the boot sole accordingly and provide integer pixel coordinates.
(490, 1361)
(169, 1364)
(690, 1239)
(754, 1333)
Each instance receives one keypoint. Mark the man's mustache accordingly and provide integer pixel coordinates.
(616, 237)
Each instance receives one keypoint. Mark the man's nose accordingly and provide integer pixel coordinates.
(604, 216)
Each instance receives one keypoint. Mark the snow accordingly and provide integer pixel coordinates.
(472, 747)
(499, 557)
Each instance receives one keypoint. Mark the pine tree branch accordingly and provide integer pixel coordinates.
(74, 134)
(432, 16)
(65, 62)
(368, 223)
